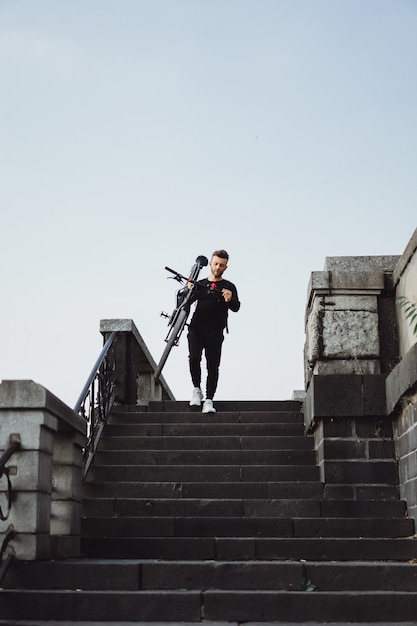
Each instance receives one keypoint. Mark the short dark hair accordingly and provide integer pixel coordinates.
(222, 254)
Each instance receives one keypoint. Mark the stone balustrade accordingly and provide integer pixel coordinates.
(46, 472)
(360, 363)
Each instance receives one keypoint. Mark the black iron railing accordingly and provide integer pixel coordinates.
(10, 533)
(4, 471)
(96, 399)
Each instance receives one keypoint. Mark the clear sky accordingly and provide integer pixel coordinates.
(136, 134)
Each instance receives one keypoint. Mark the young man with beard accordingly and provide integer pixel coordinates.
(214, 296)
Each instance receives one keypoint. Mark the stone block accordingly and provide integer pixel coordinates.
(409, 491)
(319, 281)
(35, 428)
(374, 399)
(339, 492)
(65, 517)
(64, 546)
(381, 449)
(361, 280)
(373, 428)
(406, 442)
(337, 396)
(66, 482)
(340, 427)
(361, 472)
(377, 492)
(402, 380)
(351, 302)
(31, 470)
(344, 449)
(350, 334)
(30, 512)
(382, 263)
(29, 398)
(68, 448)
(29, 547)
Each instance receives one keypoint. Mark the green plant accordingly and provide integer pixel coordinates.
(410, 310)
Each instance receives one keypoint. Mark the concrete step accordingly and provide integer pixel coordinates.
(231, 490)
(245, 527)
(209, 443)
(191, 507)
(250, 548)
(204, 457)
(210, 605)
(131, 575)
(181, 406)
(195, 507)
(204, 429)
(184, 606)
(204, 473)
(272, 606)
(194, 416)
(173, 623)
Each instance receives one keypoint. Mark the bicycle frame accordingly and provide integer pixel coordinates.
(178, 318)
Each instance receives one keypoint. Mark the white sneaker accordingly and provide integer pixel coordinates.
(208, 407)
(197, 397)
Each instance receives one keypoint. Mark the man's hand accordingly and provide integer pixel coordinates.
(227, 295)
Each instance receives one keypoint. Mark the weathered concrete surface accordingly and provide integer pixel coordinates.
(46, 471)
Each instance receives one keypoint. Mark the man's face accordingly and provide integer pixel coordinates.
(217, 266)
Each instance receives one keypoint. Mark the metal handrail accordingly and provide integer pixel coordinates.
(96, 400)
(4, 471)
(83, 395)
(15, 445)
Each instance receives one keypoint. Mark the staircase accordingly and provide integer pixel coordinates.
(220, 518)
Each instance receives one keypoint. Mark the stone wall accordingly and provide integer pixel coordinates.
(361, 376)
(401, 383)
(45, 473)
(343, 333)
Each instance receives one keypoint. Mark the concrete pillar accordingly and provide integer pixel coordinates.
(350, 345)
(46, 472)
(134, 366)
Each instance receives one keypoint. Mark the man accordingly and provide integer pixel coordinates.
(214, 296)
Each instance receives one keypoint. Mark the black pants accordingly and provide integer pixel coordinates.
(211, 342)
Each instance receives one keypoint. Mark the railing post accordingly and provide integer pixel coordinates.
(46, 472)
(134, 365)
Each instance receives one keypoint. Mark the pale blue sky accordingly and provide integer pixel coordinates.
(136, 134)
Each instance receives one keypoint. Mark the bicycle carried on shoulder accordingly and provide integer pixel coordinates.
(178, 318)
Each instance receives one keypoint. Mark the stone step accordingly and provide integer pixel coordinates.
(221, 429)
(195, 416)
(136, 574)
(181, 406)
(208, 443)
(192, 507)
(245, 527)
(210, 605)
(204, 457)
(204, 473)
(195, 507)
(250, 548)
(184, 606)
(231, 490)
(12, 622)
(274, 606)
(362, 471)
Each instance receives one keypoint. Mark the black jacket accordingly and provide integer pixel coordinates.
(211, 310)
